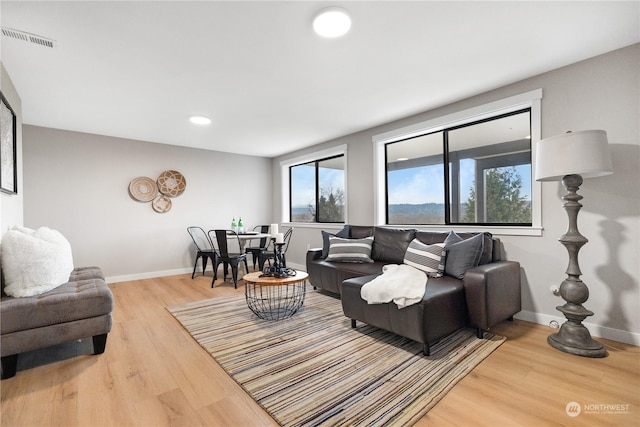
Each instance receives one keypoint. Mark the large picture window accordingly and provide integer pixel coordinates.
(473, 173)
(317, 190)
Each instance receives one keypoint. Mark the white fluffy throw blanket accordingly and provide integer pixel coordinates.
(34, 261)
(400, 283)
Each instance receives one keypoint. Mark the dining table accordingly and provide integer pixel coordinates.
(247, 236)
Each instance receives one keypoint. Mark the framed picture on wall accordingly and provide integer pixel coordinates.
(8, 160)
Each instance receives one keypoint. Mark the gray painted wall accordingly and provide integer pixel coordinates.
(600, 93)
(78, 184)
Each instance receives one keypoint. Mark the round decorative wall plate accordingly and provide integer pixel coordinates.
(171, 183)
(143, 189)
(161, 204)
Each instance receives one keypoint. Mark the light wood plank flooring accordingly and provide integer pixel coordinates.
(153, 374)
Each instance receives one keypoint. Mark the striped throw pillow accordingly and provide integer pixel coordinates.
(427, 258)
(350, 250)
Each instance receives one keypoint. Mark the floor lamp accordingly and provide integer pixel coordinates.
(570, 157)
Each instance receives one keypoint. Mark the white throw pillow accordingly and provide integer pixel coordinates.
(34, 261)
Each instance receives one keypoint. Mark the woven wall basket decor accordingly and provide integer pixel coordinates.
(161, 204)
(143, 189)
(171, 183)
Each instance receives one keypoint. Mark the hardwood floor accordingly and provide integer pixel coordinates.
(154, 374)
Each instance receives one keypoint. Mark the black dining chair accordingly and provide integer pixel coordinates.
(263, 246)
(267, 256)
(227, 258)
(205, 250)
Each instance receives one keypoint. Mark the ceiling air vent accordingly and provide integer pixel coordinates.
(28, 37)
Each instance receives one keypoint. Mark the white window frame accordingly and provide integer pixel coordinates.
(531, 99)
(306, 158)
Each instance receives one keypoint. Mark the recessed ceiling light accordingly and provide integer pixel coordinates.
(200, 120)
(402, 159)
(332, 22)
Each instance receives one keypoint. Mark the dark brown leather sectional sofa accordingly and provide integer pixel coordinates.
(487, 294)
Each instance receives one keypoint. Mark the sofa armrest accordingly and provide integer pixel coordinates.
(314, 253)
(492, 292)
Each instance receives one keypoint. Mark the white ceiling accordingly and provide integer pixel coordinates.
(139, 69)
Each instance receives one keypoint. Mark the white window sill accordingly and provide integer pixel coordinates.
(496, 231)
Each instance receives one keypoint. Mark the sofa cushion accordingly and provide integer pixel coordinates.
(34, 261)
(350, 250)
(330, 275)
(462, 254)
(360, 231)
(441, 311)
(355, 269)
(428, 258)
(431, 237)
(344, 233)
(390, 244)
(69, 302)
(85, 273)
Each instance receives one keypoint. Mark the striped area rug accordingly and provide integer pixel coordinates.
(313, 369)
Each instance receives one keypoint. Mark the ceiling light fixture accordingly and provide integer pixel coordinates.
(332, 22)
(200, 120)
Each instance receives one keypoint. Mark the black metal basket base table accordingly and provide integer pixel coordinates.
(275, 298)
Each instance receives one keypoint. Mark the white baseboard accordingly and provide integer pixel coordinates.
(298, 267)
(151, 275)
(595, 330)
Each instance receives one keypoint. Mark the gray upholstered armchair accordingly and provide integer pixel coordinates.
(80, 308)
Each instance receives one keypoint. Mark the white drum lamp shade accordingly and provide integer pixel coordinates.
(584, 153)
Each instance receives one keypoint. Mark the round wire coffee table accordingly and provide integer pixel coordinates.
(274, 298)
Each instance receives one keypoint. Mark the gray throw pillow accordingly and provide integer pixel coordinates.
(344, 233)
(452, 238)
(462, 254)
(350, 250)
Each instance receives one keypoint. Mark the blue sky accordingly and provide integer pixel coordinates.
(303, 183)
(415, 185)
(426, 184)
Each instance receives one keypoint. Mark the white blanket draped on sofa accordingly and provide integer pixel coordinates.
(400, 283)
